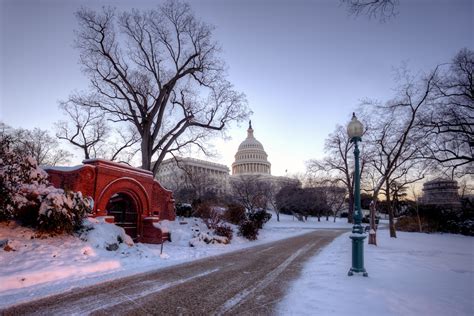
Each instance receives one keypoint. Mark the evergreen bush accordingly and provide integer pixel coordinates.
(259, 217)
(248, 229)
(27, 196)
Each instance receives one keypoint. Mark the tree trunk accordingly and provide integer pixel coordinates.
(373, 226)
(350, 215)
(420, 227)
(391, 221)
(146, 152)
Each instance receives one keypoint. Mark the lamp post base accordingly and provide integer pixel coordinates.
(357, 255)
(351, 273)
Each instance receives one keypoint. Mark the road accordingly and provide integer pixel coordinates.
(247, 282)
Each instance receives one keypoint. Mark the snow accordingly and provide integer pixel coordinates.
(42, 266)
(62, 168)
(414, 274)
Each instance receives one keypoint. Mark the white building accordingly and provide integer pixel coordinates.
(252, 159)
(201, 175)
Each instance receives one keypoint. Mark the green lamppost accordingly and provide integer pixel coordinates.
(355, 131)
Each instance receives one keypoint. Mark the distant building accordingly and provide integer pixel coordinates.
(441, 192)
(252, 159)
(205, 176)
(202, 175)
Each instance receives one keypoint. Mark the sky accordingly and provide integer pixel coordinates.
(304, 65)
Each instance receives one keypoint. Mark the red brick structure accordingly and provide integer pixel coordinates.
(129, 196)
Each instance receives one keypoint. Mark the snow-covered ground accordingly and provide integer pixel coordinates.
(414, 274)
(41, 267)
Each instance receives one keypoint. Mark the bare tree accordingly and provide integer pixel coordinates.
(87, 129)
(449, 122)
(159, 71)
(251, 191)
(38, 144)
(378, 9)
(395, 143)
(335, 197)
(416, 197)
(338, 164)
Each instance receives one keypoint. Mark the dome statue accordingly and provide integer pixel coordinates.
(251, 157)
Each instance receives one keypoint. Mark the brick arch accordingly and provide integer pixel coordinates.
(101, 179)
(129, 186)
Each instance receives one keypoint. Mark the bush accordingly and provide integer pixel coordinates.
(248, 229)
(224, 231)
(407, 224)
(234, 214)
(16, 172)
(260, 217)
(439, 221)
(27, 196)
(184, 210)
(202, 210)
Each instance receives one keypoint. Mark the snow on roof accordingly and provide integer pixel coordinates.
(62, 168)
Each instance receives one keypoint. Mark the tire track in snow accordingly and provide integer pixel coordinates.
(239, 298)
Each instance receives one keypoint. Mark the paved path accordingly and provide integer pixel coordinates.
(247, 282)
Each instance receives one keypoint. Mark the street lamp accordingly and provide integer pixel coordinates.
(355, 131)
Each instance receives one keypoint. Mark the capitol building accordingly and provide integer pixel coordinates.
(250, 160)
(251, 157)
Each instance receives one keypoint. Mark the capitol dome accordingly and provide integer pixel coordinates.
(251, 157)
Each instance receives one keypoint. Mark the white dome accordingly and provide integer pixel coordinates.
(251, 157)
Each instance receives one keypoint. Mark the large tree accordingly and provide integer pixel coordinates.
(160, 71)
(87, 129)
(338, 164)
(377, 9)
(449, 122)
(395, 137)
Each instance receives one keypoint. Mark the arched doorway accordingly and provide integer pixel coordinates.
(124, 210)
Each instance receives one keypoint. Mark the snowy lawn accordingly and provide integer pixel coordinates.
(414, 274)
(41, 267)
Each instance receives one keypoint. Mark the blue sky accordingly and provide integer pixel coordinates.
(304, 65)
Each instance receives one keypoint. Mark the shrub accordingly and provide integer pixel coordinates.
(203, 210)
(234, 214)
(16, 171)
(224, 231)
(439, 221)
(407, 224)
(27, 196)
(260, 217)
(248, 229)
(184, 210)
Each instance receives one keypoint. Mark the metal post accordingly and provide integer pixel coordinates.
(358, 235)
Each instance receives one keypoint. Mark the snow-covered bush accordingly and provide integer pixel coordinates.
(184, 210)
(224, 231)
(215, 222)
(259, 217)
(16, 171)
(26, 195)
(206, 238)
(61, 211)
